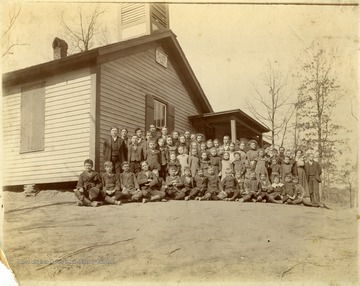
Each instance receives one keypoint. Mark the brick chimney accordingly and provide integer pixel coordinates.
(60, 48)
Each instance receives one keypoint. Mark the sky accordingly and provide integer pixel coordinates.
(227, 45)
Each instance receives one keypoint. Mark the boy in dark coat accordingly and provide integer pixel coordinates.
(200, 186)
(173, 185)
(135, 155)
(130, 186)
(111, 185)
(88, 187)
(152, 156)
(229, 185)
(213, 188)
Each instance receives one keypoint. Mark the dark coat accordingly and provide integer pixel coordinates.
(120, 146)
(317, 171)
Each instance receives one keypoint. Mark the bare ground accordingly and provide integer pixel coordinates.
(47, 238)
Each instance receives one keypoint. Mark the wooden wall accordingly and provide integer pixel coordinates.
(68, 108)
(124, 85)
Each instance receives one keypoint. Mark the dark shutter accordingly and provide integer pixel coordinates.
(32, 119)
(170, 117)
(149, 111)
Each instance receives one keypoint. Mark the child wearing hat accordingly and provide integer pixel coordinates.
(88, 186)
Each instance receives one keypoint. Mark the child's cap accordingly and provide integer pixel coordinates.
(187, 168)
(124, 163)
(252, 141)
(89, 161)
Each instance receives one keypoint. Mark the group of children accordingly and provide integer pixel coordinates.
(186, 167)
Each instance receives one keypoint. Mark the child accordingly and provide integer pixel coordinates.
(204, 162)
(216, 144)
(174, 185)
(300, 193)
(264, 184)
(170, 145)
(229, 185)
(242, 152)
(275, 169)
(135, 155)
(155, 188)
(152, 156)
(275, 191)
(200, 186)
(173, 162)
(225, 164)
(231, 151)
(188, 183)
(209, 145)
(88, 186)
(164, 153)
(244, 195)
(130, 186)
(164, 133)
(252, 153)
(194, 162)
(182, 143)
(111, 185)
(183, 159)
(261, 164)
(289, 193)
(202, 148)
(147, 181)
(213, 188)
(215, 161)
(187, 136)
(285, 168)
(251, 186)
(226, 143)
(237, 165)
(175, 137)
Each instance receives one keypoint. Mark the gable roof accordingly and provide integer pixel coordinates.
(98, 55)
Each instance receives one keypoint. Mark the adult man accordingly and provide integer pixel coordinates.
(114, 150)
(313, 173)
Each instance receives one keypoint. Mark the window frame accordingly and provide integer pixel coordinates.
(160, 103)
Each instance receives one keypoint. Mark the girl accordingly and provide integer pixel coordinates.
(183, 159)
(261, 165)
(204, 163)
(225, 164)
(170, 145)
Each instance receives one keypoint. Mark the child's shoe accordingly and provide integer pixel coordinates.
(94, 204)
(118, 203)
(144, 200)
(79, 204)
(187, 198)
(240, 200)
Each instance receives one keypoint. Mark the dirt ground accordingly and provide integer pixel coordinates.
(50, 240)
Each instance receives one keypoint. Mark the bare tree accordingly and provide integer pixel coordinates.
(270, 104)
(9, 40)
(81, 33)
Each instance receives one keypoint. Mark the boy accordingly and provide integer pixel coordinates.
(252, 153)
(215, 161)
(244, 194)
(275, 169)
(200, 186)
(289, 193)
(213, 185)
(194, 161)
(173, 185)
(173, 162)
(152, 156)
(135, 155)
(229, 185)
(237, 165)
(204, 162)
(147, 181)
(88, 186)
(164, 152)
(188, 182)
(183, 159)
(262, 189)
(130, 186)
(285, 168)
(275, 191)
(300, 193)
(111, 185)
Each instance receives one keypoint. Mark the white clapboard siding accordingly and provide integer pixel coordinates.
(124, 85)
(67, 133)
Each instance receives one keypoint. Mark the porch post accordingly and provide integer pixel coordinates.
(233, 130)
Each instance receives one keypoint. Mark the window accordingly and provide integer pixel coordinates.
(32, 119)
(159, 114)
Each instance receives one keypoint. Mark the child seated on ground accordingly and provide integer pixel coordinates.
(300, 193)
(213, 188)
(130, 186)
(174, 185)
(275, 191)
(188, 183)
(111, 185)
(200, 186)
(264, 184)
(88, 186)
(241, 185)
(148, 182)
(229, 185)
(289, 194)
(251, 185)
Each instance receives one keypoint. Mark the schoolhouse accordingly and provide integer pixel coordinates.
(57, 114)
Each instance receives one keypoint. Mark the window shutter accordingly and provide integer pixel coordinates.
(149, 111)
(170, 117)
(32, 119)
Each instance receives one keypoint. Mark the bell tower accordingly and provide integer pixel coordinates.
(140, 19)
